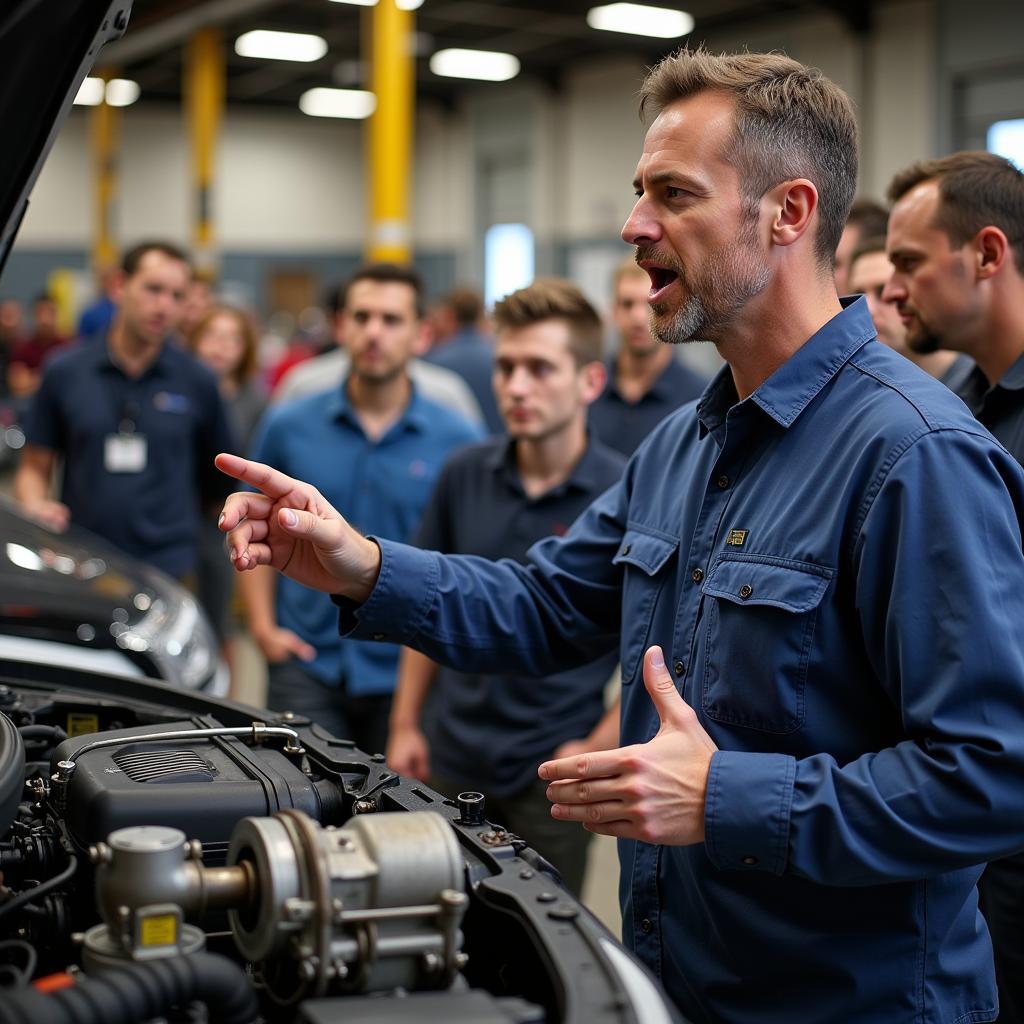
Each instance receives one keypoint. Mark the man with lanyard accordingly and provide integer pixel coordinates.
(645, 380)
(135, 420)
(956, 242)
(815, 581)
(375, 445)
(497, 499)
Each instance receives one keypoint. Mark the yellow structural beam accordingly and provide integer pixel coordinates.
(204, 110)
(390, 131)
(103, 131)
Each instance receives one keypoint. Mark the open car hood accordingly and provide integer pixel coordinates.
(47, 48)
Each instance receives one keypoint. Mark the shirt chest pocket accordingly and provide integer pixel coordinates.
(646, 560)
(760, 618)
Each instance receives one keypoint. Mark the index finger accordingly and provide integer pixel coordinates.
(270, 481)
(597, 764)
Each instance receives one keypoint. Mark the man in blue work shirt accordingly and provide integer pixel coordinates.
(136, 421)
(375, 447)
(816, 571)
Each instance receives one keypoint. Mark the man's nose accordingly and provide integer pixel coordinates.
(640, 227)
(894, 289)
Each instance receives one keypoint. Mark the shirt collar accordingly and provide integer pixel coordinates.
(415, 416)
(160, 367)
(795, 384)
(662, 387)
(584, 476)
(1013, 379)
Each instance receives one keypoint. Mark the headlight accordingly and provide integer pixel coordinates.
(175, 634)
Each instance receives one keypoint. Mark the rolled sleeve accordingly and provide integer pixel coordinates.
(747, 810)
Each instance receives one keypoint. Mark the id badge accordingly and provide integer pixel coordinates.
(124, 453)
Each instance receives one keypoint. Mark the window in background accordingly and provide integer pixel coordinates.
(508, 260)
(1007, 139)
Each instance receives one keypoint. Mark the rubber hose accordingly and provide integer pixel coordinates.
(140, 991)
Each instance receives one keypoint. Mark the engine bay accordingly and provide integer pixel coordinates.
(165, 854)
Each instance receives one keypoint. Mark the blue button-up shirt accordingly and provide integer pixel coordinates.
(381, 483)
(833, 567)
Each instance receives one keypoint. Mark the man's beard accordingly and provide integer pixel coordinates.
(721, 286)
(923, 341)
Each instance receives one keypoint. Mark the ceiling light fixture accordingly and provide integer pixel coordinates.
(122, 92)
(90, 93)
(402, 5)
(482, 65)
(267, 45)
(351, 103)
(640, 20)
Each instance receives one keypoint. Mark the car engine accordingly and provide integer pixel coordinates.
(168, 856)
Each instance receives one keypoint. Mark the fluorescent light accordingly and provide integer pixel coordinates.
(640, 20)
(90, 93)
(280, 45)
(122, 92)
(352, 103)
(483, 65)
(408, 5)
(357, 3)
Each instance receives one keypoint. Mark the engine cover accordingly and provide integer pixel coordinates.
(202, 787)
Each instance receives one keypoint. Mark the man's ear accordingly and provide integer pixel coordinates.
(793, 205)
(339, 323)
(991, 250)
(117, 283)
(424, 338)
(593, 377)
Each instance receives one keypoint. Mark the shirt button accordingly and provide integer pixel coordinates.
(697, 575)
(746, 590)
(626, 549)
(678, 667)
(378, 636)
(646, 927)
(749, 860)
(723, 482)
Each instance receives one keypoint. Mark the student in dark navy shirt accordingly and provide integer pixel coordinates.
(956, 242)
(645, 380)
(814, 581)
(489, 732)
(137, 422)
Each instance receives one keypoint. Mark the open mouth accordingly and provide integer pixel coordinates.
(661, 279)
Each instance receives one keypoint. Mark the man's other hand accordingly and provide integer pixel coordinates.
(52, 514)
(279, 644)
(653, 791)
(291, 527)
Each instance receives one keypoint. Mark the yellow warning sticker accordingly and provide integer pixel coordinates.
(79, 723)
(159, 931)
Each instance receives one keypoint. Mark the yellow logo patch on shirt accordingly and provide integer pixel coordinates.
(737, 538)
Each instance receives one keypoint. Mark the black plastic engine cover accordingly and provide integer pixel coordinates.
(202, 787)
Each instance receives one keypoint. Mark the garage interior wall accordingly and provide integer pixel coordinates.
(290, 191)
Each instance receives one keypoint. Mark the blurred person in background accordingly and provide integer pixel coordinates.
(11, 332)
(461, 345)
(98, 315)
(27, 357)
(462, 730)
(224, 340)
(326, 371)
(867, 219)
(373, 445)
(199, 299)
(645, 380)
(137, 422)
(870, 271)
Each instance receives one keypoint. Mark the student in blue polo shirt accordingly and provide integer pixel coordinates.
(497, 499)
(373, 446)
(137, 422)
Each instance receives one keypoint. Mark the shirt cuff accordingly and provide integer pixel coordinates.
(399, 602)
(747, 810)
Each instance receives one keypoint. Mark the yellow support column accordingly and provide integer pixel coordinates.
(390, 130)
(104, 141)
(204, 104)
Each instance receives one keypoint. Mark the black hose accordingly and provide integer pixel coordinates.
(39, 890)
(23, 975)
(139, 992)
(43, 732)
